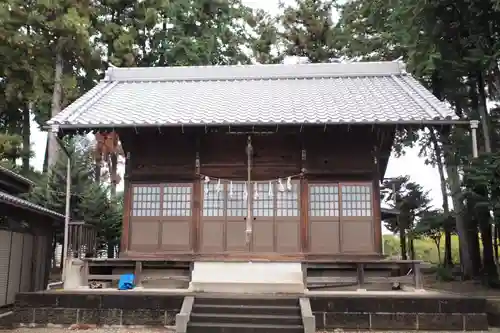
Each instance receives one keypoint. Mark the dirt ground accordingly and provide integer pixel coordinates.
(470, 288)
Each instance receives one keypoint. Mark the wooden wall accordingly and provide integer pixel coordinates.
(334, 154)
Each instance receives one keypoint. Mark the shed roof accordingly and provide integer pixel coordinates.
(16, 176)
(362, 92)
(25, 204)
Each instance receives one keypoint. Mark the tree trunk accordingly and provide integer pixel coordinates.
(448, 260)
(483, 113)
(466, 248)
(111, 250)
(402, 241)
(497, 236)
(53, 148)
(26, 139)
(490, 265)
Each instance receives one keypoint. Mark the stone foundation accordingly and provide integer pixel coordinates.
(40, 309)
(363, 312)
(405, 312)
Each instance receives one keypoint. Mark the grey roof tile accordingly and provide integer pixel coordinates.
(16, 176)
(11, 199)
(379, 92)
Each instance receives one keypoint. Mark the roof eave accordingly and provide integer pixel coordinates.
(32, 209)
(435, 122)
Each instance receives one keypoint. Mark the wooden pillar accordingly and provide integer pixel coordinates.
(304, 206)
(304, 214)
(377, 216)
(195, 230)
(127, 204)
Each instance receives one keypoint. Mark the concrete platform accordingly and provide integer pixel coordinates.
(247, 277)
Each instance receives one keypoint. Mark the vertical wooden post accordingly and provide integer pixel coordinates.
(196, 210)
(417, 276)
(377, 216)
(85, 273)
(127, 204)
(304, 215)
(304, 200)
(360, 275)
(138, 273)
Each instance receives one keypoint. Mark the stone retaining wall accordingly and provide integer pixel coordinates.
(394, 312)
(40, 309)
(418, 312)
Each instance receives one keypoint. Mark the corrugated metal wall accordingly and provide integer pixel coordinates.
(23, 264)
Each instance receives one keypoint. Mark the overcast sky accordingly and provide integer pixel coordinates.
(410, 164)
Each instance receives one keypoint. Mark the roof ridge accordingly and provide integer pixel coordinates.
(253, 72)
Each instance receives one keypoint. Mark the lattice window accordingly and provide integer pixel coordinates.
(287, 202)
(356, 200)
(176, 200)
(264, 204)
(146, 201)
(324, 200)
(213, 200)
(236, 203)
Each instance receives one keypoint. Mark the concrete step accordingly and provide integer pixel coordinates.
(246, 309)
(242, 328)
(247, 277)
(244, 301)
(258, 319)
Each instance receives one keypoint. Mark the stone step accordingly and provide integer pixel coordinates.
(259, 319)
(246, 309)
(242, 328)
(247, 277)
(244, 301)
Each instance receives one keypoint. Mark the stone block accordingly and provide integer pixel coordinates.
(141, 301)
(110, 317)
(320, 319)
(144, 317)
(55, 316)
(36, 300)
(248, 277)
(462, 305)
(393, 321)
(89, 316)
(357, 321)
(24, 316)
(476, 322)
(79, 301)
(440, 322)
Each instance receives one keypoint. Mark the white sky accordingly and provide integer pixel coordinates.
(410, 164)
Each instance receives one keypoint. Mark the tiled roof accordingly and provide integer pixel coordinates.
(366, 92)
(13, 200)
(16, 176)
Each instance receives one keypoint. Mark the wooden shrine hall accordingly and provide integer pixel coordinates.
(259, 163)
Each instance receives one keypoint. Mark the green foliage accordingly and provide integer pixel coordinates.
(444, 274)
(309, 31)
(425, 248)
(408, 197)
(90, 201)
